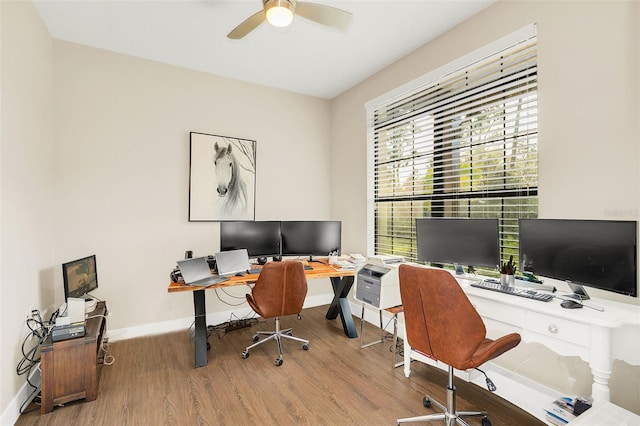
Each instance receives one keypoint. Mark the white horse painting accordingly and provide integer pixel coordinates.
(222, 178)
(230, 185)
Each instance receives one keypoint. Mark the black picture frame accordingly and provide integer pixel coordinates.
(222, 178)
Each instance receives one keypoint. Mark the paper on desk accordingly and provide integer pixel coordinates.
(605, 414)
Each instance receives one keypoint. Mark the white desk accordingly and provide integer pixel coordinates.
(594, 336)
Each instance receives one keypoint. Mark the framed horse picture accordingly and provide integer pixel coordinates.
(222, 178)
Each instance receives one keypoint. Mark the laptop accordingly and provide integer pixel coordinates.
(232, 262)
(196, 272)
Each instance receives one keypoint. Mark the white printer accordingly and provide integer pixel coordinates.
(377, 282)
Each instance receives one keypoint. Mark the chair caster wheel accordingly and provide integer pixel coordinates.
(486, 421)
(426, 403)
(279, 362)
(245, 354)
(256, 337)
(305, 347)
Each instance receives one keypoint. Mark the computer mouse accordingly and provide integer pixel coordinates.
(570, 304)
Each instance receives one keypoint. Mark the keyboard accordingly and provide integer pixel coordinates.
(520, 292)
(254, 271)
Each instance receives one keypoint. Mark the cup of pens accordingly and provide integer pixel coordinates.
(333, 257)
(508, 273)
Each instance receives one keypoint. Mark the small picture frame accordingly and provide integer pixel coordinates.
(222, 178)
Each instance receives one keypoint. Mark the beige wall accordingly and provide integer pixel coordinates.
(26, 181)
(122, 170)
(589, 63)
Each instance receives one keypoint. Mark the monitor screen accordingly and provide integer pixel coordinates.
(79, 277)
(471, 242)
(261, 239)
(594, 253)
(311, 238)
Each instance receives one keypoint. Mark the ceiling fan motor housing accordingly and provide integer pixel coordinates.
(282, 3)
(279, 13)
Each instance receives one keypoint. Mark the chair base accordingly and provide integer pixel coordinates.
(449, 414)
(276, 335)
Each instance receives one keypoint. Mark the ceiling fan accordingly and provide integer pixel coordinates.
(279, 13)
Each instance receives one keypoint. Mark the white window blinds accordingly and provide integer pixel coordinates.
(462, 145)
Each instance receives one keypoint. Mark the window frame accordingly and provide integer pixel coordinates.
(405, 92)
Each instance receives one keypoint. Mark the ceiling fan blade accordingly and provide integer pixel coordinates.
(247, 26)
(325, 15)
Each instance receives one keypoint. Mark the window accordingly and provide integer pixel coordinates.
(461, 142)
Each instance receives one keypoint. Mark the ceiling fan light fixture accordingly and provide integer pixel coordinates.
(279, 12)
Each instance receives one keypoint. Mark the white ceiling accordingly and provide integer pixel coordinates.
(305, 57)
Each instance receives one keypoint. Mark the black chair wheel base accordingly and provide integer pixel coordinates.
(279, 362)
(245, 354)
(426, 402)
(486, 421)
(256, 337)
(305, 347)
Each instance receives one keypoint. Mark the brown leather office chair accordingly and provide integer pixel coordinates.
(280, 290)
(441, 323)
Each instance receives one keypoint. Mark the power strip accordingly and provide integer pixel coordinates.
(237, 325)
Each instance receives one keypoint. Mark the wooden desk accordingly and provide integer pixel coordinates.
(341, 281)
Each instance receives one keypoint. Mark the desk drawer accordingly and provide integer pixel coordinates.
(568, 331)
(498, 311)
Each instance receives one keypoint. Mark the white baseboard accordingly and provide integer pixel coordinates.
(522, 392)
(24, 397)
(184, 323)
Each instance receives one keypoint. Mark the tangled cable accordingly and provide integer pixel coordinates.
(39, 330)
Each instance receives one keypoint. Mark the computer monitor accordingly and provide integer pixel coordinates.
(311, 238)
(260, 238)
(593, 253)
(80, 277)
(459, 241)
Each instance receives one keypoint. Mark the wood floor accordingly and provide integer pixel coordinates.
(335, 382)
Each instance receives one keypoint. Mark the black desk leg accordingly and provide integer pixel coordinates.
(340, 304)
(200, 328)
